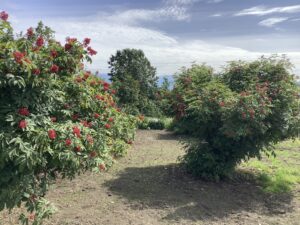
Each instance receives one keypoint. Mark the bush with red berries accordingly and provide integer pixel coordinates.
(238, 114)
(56, 119)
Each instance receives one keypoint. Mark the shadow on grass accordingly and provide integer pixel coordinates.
(169, 187)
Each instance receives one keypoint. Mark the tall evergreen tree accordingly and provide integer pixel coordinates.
(135, 78)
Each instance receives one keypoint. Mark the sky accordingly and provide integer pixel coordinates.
(172, 33)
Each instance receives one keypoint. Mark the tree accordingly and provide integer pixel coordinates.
(135, 78)
(56, 119)
(238, 115)
(165, 86)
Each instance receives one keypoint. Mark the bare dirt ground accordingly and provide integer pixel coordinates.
(148, 187)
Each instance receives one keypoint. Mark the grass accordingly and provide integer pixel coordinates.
(153, 123)
(278, 174)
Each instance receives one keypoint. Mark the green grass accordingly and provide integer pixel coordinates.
(280, 174)
(153, 123)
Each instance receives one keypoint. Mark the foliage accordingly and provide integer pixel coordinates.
(135, 78)
(164, 97)
(57, 120)
(238, 115)
(188, 83)
(154, 123)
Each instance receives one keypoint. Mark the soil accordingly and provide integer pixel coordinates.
(149, 187)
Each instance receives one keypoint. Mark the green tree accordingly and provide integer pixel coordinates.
(165, 86)
(56, 120)
(238, 115)
(135, 78)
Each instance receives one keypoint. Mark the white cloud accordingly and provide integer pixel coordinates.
(134, 16)
(216, 15)
(270, 22)
(165, 52)
(262, 10)
(177, 10)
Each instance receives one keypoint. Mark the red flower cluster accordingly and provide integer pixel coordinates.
(76, 131)
(29, 32)
(252, 113)
(19, 56)
(111, 119)
(90, 139)
(102, 166)
(86, 75)
(70, 42)
(106, 86)
(3, 16)
(36, 71)
(86, 42)
(93, 154)
(99, 97)
(54, 68)
(77, 148)
(40, 41)
(107, 126)
(31, 216)
(86, 123)
(68, 142)
(52, 134)
(96, 115)
(22, 124)
(93, 83)
(24, 111)
(91, 51)
(68, 46)
(78, 79)
(75, 116)
(53, 53)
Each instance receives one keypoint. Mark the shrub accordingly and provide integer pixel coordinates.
(152, 123)
(239, 115)
(188, 83)
(56, 118)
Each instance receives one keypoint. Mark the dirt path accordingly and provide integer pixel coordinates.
(148, 187)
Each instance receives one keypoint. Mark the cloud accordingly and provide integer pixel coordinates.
(135, 16)
(176, 10)
(180, 2)
(165, 52)
(215, 1)
(216, 15)
(270, 22)
(262, 10)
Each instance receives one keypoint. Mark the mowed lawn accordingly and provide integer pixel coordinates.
(148, 186)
